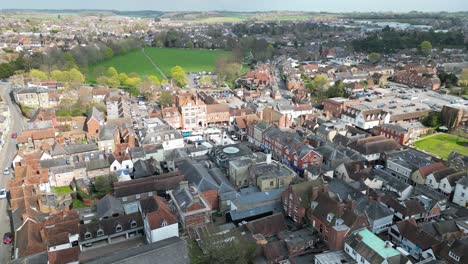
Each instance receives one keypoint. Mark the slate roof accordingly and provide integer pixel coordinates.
(303, 191)
(109, 225)
(163, 182)
(441, 174)
(108, 206)
(168, 251)
(377, 211)
(204, 178)
(411, 231)
(267, 226)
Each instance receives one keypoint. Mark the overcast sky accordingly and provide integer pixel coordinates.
(245, 5)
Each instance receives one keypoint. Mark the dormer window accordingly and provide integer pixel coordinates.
(454, 256)
(88, 235)
(133, 224)
(164, 223)
(118, 228)
(100, 232)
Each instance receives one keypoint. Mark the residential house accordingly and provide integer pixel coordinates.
(405, 164)
(402, 133)
(420, 176)
(191, 207)
(193, 111)
(413, 79)
(365, 247)
(140, 189)
(413, 239)
(158, 220)
(113, 228)
(296, 198)
(434, 179)
(217, 114)
(447, 184)
(371, 148)
(460, 195)
(34, 97)
(458, 161)
(165, 135)
(453, 252)
(363, 117)
(172, 116)
(94, 121)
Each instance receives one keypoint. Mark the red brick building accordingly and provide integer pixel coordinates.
(296, 199)
(217, 114)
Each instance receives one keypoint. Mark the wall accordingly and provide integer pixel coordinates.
(165, 232)
(458, 198)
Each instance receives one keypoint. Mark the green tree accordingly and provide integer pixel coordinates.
(206, 80)
(425, 48)
(154, 80)
(319, 86)
(112, 72)
(103, 185)
(69, 61)
(463, 82)
(228, 248)
(133, 82)
(178, 74)
(190, 45)
(58, 76)
(337, 90)
(432, 120)
(113, 81)
(38, 74)
(102, 80)
(108, 53)
(123, 77)
(165, 98)
(374, 57)
(75, 76)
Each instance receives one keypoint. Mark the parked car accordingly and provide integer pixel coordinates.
(3, 193)
(6, 171)
(7, 238)
(14, 135)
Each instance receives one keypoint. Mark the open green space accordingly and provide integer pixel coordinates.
(77, 204)
(443, 144)
(192, 60)
(62, 190)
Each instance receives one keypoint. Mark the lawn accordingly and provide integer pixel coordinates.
(443, 144)
(77, 204)
(192, 60)
(62, 190)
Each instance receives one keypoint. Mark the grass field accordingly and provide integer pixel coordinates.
(443, 144)
(192, 60)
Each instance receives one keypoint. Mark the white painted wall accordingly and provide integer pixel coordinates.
(164, 232)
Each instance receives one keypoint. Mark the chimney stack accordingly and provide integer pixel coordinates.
(325, 187)
(183, 184)
(315, 191)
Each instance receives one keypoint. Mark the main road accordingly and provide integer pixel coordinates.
(6, 156)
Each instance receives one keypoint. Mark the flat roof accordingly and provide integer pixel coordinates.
(377, 244)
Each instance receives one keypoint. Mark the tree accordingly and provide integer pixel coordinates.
(337, 90)
(108, 53)
(133, 82)
(103, 185)
(178, 74)
(165, 98)
(374, 57)
(206, 80)
(75, 76)
(432, 120)
(113, 81)
(190, 45)
(123, 77)
(425, 48)
(154, 80)
(57, 76)
(463, 82)
(38, 74)
(111, 72)
(319, 86)
(69, 61)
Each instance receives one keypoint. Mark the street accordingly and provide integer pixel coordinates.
(6, 156)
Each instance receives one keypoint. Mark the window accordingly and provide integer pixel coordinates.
(163, 223)
(150, 193)
(455, 257)
(445, 185)
(100, 232)
(271, 183)
(137, 196)
(87, 235)
(133, 224)
(118, 228)
(462, 194)
(124, 199)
